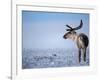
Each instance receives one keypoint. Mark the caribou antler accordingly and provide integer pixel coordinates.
(69, 26)
(80, 26)
(71, 29)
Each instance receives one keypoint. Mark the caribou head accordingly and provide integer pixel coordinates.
(71, 34)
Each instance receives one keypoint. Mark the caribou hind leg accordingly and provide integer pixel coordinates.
(84, 54)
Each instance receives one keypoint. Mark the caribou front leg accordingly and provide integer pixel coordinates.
(79, 55)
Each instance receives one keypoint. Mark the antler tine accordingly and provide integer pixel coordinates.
(80, 26)
(69, 26)
(69, 29)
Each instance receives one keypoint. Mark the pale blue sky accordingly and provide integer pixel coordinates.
(46, 29)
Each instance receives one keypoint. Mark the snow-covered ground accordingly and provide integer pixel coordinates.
(36, 58)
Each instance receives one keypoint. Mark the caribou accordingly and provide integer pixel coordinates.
(81, 40)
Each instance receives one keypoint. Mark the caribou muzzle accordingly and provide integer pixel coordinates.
(64, 37)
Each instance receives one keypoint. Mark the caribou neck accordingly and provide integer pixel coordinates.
(74, 37)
